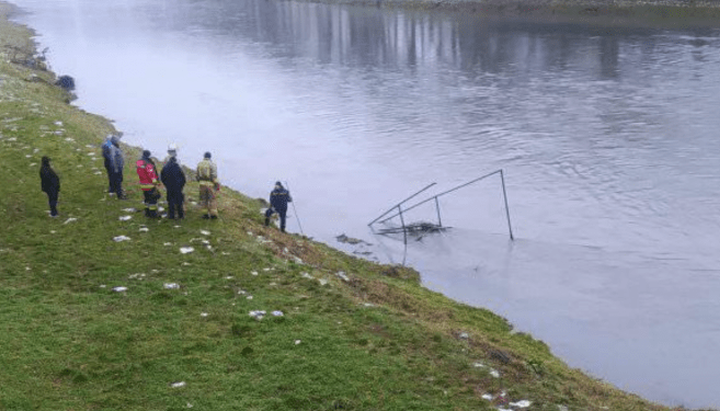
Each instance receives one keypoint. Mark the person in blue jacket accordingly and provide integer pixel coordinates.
(117, 163)
(279, 199)
(173, 179)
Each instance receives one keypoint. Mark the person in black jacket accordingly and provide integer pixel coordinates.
(50, 184)
(173, 179)
(279, 199)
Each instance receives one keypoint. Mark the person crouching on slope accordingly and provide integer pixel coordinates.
(207, 176)
(173, 179)
(50, 184)
(279, 199)
(148, 184)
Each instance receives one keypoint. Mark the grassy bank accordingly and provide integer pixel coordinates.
(353, 335)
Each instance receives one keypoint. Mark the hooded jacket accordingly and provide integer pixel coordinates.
(49, 180)
(172, 176)
(146, 172)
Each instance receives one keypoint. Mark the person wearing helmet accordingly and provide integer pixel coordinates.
(173, 179)
(207, 177)
(279, 199)
(148, 183)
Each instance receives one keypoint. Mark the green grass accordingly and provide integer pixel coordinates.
(68, 342)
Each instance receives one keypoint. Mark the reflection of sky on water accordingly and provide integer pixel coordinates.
(607, 138)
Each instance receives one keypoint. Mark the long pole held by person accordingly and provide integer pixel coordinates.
(295, 210)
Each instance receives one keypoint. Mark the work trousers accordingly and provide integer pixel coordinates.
(282, 212)
(175, 204)
(150, 203)
(116, 179)
(208, 200)
(52, 201)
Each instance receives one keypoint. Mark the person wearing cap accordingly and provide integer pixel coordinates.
(173, 179)
(148, 183)
(279, 199)
(117, 163)
(207, 177)
(50, 184)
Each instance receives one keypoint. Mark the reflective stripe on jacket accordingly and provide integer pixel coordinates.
(207, 173)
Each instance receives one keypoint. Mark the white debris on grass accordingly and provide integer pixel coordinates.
(79, 166)
(204, 314)
(204, 232)
(53, 232)
(119, 289)
(322, 281)
(277, 313)
(254, 273)
(479, 365)
(185, 263)
(504, 409)
(58, 123)
(266, 269)
(137, 276)
(121, 238)
(562, 408)
(177, 226)
(33, 164)
(369, 305)
(178, 384)
(229, 277)
(520, 404)
(258, 315)
(125, 217)
(342, 276)
(306, 275)
(249, 297)
(487, 397)
(130, 210)
(189, 405)
(102, 286)
(464, 336)
(242, 292)
(143, 229)
(97, 173)
(297, 342)
(70, 220)
(495, 373)
(186, 250)
(298, 260)
(167, 244)
(28, 155)
(171, 286)
(69, 139)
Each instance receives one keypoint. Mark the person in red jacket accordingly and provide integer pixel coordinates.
(148, 184)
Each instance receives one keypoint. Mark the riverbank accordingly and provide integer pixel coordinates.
(148, 323)
(678, 14)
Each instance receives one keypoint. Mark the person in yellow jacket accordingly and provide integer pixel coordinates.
(207, 176)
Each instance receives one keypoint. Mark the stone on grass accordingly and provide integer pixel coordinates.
(186, 250)
(258, 315)
(121, 238)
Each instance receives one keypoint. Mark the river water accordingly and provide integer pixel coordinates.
(607, 138)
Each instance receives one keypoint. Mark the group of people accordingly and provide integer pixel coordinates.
(171, 176)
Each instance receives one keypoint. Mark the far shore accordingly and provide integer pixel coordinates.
(681, 14)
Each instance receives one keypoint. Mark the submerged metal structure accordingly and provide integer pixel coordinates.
(430, 227)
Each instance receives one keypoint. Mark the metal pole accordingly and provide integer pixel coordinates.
(297, 217)
(507, 209)
(437, 207)
(400, 203)
(402, 221)
(445, 192)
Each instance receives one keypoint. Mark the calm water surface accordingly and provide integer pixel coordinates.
(608, 138)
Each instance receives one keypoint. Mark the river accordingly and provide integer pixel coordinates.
(607, 137)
